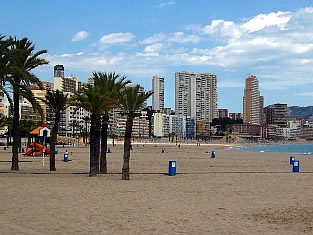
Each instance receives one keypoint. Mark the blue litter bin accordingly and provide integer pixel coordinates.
(291, 160)
(56, 151)
(131, 147)
(296, 166)
(172, 167)
(109, 150)
(213, 154)
(4, 148)
(163, 150)
(65, 158)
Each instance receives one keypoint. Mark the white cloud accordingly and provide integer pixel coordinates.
(181, 37)
(166, 4)
(81, 35)
(153, 47)
(116, 38)
(158, 37)
(259, 22)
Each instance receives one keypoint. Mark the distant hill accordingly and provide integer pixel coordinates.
(299, 113)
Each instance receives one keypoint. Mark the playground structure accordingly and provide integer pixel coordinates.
(37, 139)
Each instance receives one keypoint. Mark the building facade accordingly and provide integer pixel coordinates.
(252, 101)
(196, 95)
(158, 93)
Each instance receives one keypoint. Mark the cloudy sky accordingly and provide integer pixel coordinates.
(271, 39)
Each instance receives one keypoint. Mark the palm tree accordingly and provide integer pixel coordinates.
(131, 101)
(56, 102)
(86, 120)
(149, 117)
(22, 59)
(110, 84)
(92, 99)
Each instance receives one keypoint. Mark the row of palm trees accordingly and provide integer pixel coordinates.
(110, 90)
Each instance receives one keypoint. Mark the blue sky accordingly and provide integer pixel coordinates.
(272, 39)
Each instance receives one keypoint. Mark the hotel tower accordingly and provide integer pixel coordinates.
(252, 101)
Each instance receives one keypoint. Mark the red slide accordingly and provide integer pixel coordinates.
(29, 152)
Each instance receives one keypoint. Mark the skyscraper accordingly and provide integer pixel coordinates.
(252, 102)
(196, 95)
(158, 93)
(59, 71)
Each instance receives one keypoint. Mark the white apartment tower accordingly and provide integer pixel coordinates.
(196, 95)
(252, 101)
(158, 93)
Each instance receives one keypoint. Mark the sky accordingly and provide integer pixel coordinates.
(271, 39)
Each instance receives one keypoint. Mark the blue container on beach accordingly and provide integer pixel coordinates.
(172, 167)
(291, 160)
(65, 158)
(296, 166)
(163, 150)
(56, 151)
(213, 154)
(131, 147)
(4, 148)
(109, 150)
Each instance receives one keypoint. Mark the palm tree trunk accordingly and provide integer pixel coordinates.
(53, 140)
(93, 149)
(127, 143)
(104, 143)
(97, 144)
(16, 117)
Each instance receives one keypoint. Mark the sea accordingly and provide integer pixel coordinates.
(305, 149)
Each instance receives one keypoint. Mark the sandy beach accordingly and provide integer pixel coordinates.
(235, 193)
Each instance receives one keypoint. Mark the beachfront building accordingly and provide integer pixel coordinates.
(161, 124)
(189, 127)
(158, 93)
(202, 129)
(235, 116)
(140, 126)
(176, 125)
(268, 132)
(196, 95)
(246, 130)
(222, 113)
(252, 102)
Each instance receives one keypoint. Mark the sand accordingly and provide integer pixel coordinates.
(235, 193)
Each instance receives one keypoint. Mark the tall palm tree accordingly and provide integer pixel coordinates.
(131, 101)
(56, 102)
(110, 84)
(92, 99)
(22, 59)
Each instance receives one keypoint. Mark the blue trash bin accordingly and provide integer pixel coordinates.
(65, 158)
(109, 150)
(4, 148)
(291, 160)
(131, 147)
(163, 150)
(296, 166)
(213, 154)
(56, 151)
(172, 167)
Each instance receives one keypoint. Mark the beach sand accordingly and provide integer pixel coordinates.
(235, 193)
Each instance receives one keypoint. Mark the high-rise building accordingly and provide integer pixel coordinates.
(196, 95)
(235, 116)
(277, 114)
(252, 101)
(158, 93)
(59, 71)
(69, 84)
